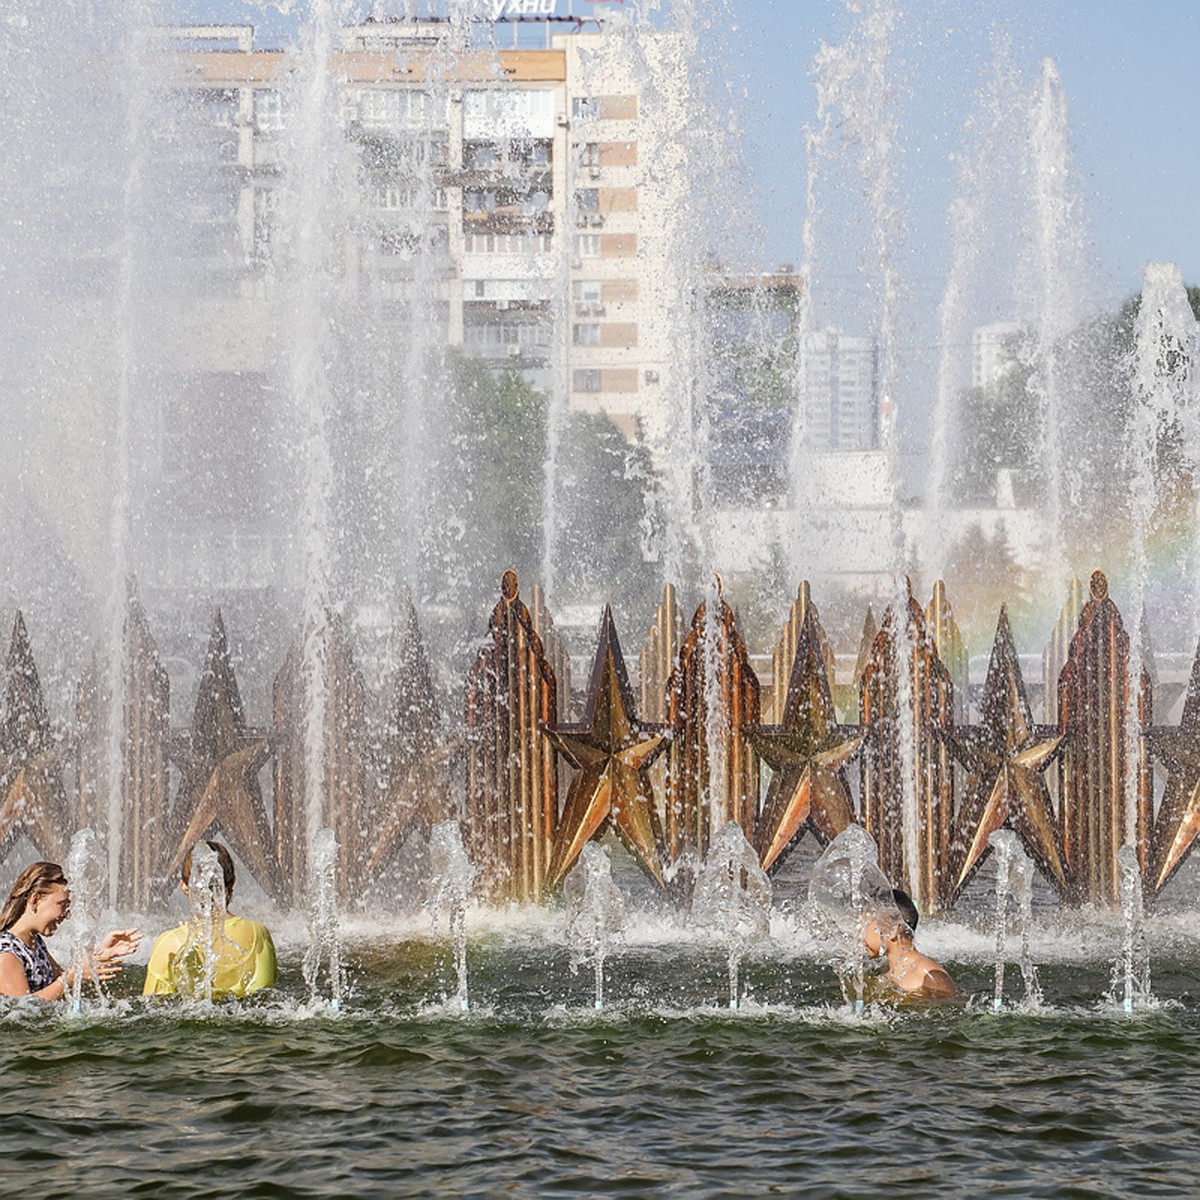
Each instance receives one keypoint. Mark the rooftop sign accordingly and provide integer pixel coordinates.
(537, 8)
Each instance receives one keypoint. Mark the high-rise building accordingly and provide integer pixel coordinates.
(994, 352)
(498, 189)
(841, 388)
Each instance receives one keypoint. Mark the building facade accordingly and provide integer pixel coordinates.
(841, 388)
(498, 194)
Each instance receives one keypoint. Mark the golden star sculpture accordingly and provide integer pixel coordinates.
(806, 753)
(1004, 757)
(1178, 821)
(220, 760)
(32, 798)
(611, 751)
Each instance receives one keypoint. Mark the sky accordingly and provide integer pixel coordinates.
(1129, 68)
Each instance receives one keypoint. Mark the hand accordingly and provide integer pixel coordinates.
(120, 943)
(99, 968)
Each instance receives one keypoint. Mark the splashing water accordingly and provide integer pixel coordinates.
(733, 897)
(324, 933)
(1014, 878)
(87, 873)
(846, 890)
(1131, 973)
(595, 912)
(205, 948)
(450, 877)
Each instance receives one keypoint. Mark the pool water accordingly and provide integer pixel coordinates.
(664, 1093)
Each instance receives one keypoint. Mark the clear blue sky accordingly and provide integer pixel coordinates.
(1132, 75)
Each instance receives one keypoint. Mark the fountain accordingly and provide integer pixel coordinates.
(1014, 879)
(733, 898)
(595, 911)
(847, 889)
(245, 266)
(450, 877)
(87, 872)
(324, 953)
(1131, 972)
(206, 950)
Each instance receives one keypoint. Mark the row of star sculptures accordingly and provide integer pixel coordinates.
(367, 784)
(931, 787)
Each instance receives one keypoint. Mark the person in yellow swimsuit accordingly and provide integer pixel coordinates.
(245, 954)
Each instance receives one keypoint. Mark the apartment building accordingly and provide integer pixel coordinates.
(994, 351)
(498, 193)
(842, 391)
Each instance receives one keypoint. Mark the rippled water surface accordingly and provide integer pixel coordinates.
(664, 1093)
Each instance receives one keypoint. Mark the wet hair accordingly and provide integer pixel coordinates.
(36, 880)
(223, 857)
(908, 910)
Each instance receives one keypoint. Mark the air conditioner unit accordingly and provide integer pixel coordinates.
(583, 310)
(576, 264)
(581, 221)
(514, 351)
(563, 121)
(597, 219)
(594, 172)
(651, 376)
(598, 310)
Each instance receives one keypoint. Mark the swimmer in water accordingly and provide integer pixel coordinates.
(245, 954)
(910, 974)
(41, 901)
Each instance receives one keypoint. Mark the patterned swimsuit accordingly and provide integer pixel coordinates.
(39, 970)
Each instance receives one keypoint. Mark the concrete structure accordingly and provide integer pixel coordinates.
(841, 387)
(994, 352)
(501, 192)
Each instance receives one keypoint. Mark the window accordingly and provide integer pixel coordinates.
(587, 334)
(480, 156)
(587, 200)
(586, 291)
(585, 381)
(268, 110)
(508, 112)
(384, 108)
(507, 243)
(589, 154)
(585, 107)
(391, 197)
(587, 245)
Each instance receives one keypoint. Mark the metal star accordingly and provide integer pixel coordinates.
(1004, 757)
(33, 799)
(220, 761)
(1178, 821)
(806, 753)
(611, 750)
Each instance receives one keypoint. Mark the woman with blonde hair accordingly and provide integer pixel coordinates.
(38, 904)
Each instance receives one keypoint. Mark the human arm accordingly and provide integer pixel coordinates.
(14, 981)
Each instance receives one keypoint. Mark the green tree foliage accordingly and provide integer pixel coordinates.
(485, 500)
(604, 520)
(982, 573)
